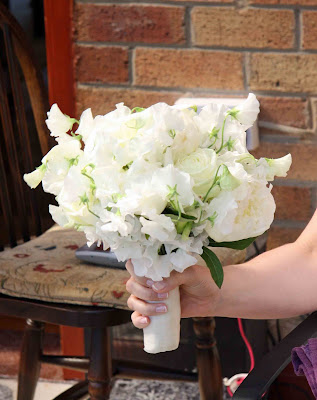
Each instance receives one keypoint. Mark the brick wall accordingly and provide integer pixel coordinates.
(142, 53)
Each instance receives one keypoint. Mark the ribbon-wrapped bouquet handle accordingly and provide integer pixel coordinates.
(161, 186)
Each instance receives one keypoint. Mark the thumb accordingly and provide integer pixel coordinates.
(168, 284)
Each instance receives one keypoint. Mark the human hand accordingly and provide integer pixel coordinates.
(198, 294)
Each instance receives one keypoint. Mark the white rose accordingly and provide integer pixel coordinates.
(201, 165)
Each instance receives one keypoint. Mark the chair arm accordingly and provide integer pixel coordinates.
(265, 372)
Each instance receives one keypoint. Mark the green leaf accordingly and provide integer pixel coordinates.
(237, 245)
(214, 265)
(137, 109)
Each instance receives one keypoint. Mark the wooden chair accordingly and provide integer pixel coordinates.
(24, 214)
(267, 370)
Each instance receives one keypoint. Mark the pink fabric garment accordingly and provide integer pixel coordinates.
(304, 361)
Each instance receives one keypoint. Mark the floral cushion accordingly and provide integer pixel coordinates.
(46, 268)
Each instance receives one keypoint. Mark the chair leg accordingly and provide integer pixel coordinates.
(100, 367)
(207, 357)
(29, 368)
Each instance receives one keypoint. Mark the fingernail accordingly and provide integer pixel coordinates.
(162, 295)
(161, 309)
(159, 285)
(143, 320)
(149, 283)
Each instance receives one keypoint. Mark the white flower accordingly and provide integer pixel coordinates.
(220, 132)
(58, 161)
(181, 260)
(115, 223)
(86, 124)
(278, 167)
(58, 215)
(33, 179)
(247, 211)
(168, 178)
(59, 123)
(142, 198)
(247, 112)
(201, 165)
(159, 227)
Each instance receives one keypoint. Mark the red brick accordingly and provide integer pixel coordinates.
(199, 1)
(285, 2)
(129, 23)
(309, 22)
(292, 203)
(188, 68)
(229, 27)
(283, 72)
(103, 100)
(304, 164)
(279, 236)
(289, 111)
(105, 64)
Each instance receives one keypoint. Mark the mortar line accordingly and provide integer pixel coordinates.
(182, 46)
(196, 91)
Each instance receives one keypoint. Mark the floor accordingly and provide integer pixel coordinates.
(122, 390)
(44, 390)
(51, 382)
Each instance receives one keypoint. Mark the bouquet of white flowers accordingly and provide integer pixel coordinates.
(160, 186)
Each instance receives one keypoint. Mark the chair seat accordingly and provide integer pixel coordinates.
(46, 269)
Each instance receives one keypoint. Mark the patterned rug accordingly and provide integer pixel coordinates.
(5, 393)
(136, 390)
(154, 390)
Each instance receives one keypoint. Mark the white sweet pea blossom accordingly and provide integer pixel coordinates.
(247, 112)
(58, 161)
(278, 167)
(115, 223)
(159, 227)
(33, 179)
(59, 124)
(175, 186)
(86, 124)
(182, 260)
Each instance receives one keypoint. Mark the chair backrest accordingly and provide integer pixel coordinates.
(23, 99)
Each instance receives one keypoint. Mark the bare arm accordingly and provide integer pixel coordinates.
(277, 284)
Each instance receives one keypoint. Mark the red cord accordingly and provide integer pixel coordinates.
(247, 343)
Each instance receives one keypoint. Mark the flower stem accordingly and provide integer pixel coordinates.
(222, 134)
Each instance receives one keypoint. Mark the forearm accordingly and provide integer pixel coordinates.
(277, 284)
